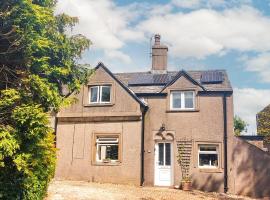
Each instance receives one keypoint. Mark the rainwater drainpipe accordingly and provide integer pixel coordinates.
(142, 145)
(225, 143)
(55, 128)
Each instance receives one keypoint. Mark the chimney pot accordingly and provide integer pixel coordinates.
(157, 39)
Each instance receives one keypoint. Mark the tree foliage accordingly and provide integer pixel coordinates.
(37, 59)
(239, 125)
(263, 123)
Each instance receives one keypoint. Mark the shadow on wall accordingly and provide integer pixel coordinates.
(251, 169)
(208, 183)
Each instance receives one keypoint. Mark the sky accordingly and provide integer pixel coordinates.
(201, 34)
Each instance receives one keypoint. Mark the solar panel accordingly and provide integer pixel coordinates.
(212, 77)
(150, 79)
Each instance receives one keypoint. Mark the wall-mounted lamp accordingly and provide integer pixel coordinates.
(162, 128)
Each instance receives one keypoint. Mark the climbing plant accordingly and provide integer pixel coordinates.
(37, 59)
(183, 158)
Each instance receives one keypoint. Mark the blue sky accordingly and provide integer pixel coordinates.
(201, 34)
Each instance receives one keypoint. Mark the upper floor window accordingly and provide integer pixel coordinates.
(181, 100)
(100, 94)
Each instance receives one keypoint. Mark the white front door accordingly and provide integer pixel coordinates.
(163, 164)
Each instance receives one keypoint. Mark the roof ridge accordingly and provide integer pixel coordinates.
(174, 71)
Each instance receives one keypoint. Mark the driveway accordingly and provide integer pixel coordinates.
(79, 190)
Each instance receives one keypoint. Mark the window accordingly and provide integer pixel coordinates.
(100, 94)
(107, 148)
(208, 156)
(164, 154)
(181, 100)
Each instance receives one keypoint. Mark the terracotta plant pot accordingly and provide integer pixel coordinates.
(186, 186)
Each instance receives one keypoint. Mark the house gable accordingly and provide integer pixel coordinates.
(131, 93)
(123, 103)
(183, 81)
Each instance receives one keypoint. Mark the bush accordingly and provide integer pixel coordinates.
(36, 59)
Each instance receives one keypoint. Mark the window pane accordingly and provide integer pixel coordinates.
(107, 148)
(94, 94)
(176, 100)
(168, 154)
(102, 154)
(106, 94)
(112, 152)
(189, 100)
(208, 148)
(210, 160)
(160, 153)
(106, 140)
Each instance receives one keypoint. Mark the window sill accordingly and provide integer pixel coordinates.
(184, 110)
(210, 170)
(106, 163)
(98, 104)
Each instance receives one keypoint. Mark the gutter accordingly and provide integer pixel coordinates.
(225, 143)
(142, 145)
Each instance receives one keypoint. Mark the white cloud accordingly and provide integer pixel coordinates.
(107, 25)
(198, 33)
(259, 64)
(187, 3)
(205, 32)
(194, 4)
(118, 55)
(159, 9)
(195, 34)
(248, 102)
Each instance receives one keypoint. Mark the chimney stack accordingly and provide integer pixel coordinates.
(159, 56)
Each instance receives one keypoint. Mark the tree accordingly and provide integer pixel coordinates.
(37, 59)
(239, 125)
(263, 123)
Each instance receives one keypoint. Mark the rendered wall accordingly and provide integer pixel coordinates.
(122, 104)
(74, 157)
(77, 124)
(251, 169)
(204, 125)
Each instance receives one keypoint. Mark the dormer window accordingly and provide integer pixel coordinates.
(100, 94)
(182, 100)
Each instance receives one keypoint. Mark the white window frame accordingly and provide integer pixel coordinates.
(164, 154)
(113, 142)
(183, 101)
(208, 152)
(99, 94)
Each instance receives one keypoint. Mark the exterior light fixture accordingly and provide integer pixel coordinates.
(162, 128)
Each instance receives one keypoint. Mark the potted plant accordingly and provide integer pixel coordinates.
(183, 158)
(186, 184)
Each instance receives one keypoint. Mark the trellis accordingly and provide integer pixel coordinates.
(184, 147)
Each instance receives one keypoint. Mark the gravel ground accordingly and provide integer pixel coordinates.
(79, 190)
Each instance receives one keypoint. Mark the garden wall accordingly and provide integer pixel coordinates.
(251, 169)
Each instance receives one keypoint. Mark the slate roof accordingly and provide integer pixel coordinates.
(146, 82)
